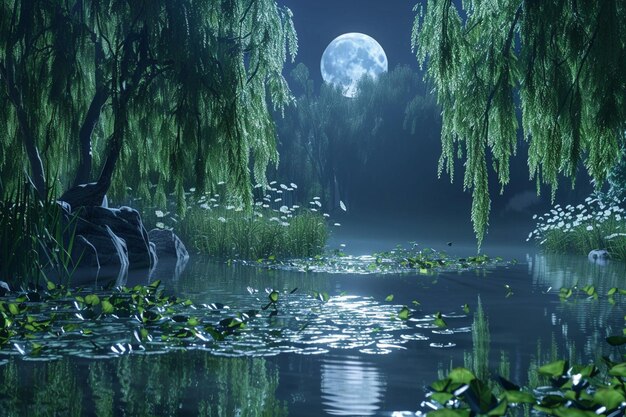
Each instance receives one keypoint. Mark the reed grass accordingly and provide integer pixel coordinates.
(35, 240)
(271, 229)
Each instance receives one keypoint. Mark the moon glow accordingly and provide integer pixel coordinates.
(350, 57)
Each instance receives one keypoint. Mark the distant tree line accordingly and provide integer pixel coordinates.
(344, 148)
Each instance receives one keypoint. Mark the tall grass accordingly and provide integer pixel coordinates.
(35, 240)
(220, 228)
(598, 223)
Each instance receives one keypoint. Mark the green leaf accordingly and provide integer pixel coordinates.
(573, 412)
(440, 385)
(612, 291)
(51, 286)
(618, 370)
(461, 376)
(442, 397)
(519, 397)
(404, 313)
(274, 296)
(446, 412)
(107, 307)
(14, 309)
(466, 308)
(389, 298)
(554, 369)
(499, 410)
(92, 300)
(616, 340)
(609, 398)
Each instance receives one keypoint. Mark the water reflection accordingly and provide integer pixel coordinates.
(351, 387)
(179, 383)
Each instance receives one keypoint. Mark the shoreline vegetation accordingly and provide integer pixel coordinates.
(598, 223)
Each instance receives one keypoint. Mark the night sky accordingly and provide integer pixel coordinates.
(318, 22)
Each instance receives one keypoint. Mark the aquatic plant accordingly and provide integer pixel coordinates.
(397, 261)
(36, 238)
(598, 223)
(555, 388)
(274, 228)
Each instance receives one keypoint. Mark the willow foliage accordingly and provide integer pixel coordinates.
(562, 61)
(168, 92)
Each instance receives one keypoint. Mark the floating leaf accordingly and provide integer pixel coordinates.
(404, 313)
(461, 376)
(107, 307)
(554, 369)
(447, 412)
(618, 370)
(519, 397)
(609, 398)
(92, 300)
(466, 308)
(616, 340)
(389, 298)
(274, 296)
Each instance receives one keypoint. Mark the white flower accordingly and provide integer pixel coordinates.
(160, 225)
(618, 217)
(294, 186)
(337, 224)
(284, 209)
(560, 224)
(159, 213)
(590, 227)
(221, 219)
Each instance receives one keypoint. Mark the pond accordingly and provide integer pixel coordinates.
(350, 355)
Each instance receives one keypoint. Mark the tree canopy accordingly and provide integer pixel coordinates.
(152, 92)
(560, 64)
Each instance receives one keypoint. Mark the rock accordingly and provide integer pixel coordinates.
(84, 252)
(124, 223)
(110, 249)
(4, 288)
(598, 256)
(167, 244)
(85, 195)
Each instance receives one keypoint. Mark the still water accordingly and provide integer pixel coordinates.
(349, 356)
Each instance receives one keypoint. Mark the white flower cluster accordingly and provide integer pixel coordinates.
(588, 216)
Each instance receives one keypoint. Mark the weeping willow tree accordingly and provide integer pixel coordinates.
(561, 64)
(145, 94)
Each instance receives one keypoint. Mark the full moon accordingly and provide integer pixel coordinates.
(350, 57)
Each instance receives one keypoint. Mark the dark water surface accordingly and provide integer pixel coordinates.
(346, 357)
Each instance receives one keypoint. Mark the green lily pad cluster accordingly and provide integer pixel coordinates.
(399, 260)
(576, 391)
(32, 320)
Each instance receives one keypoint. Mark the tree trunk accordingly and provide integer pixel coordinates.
(83, 173)
(38, 178)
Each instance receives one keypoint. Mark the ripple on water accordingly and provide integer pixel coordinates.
(302, 325)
